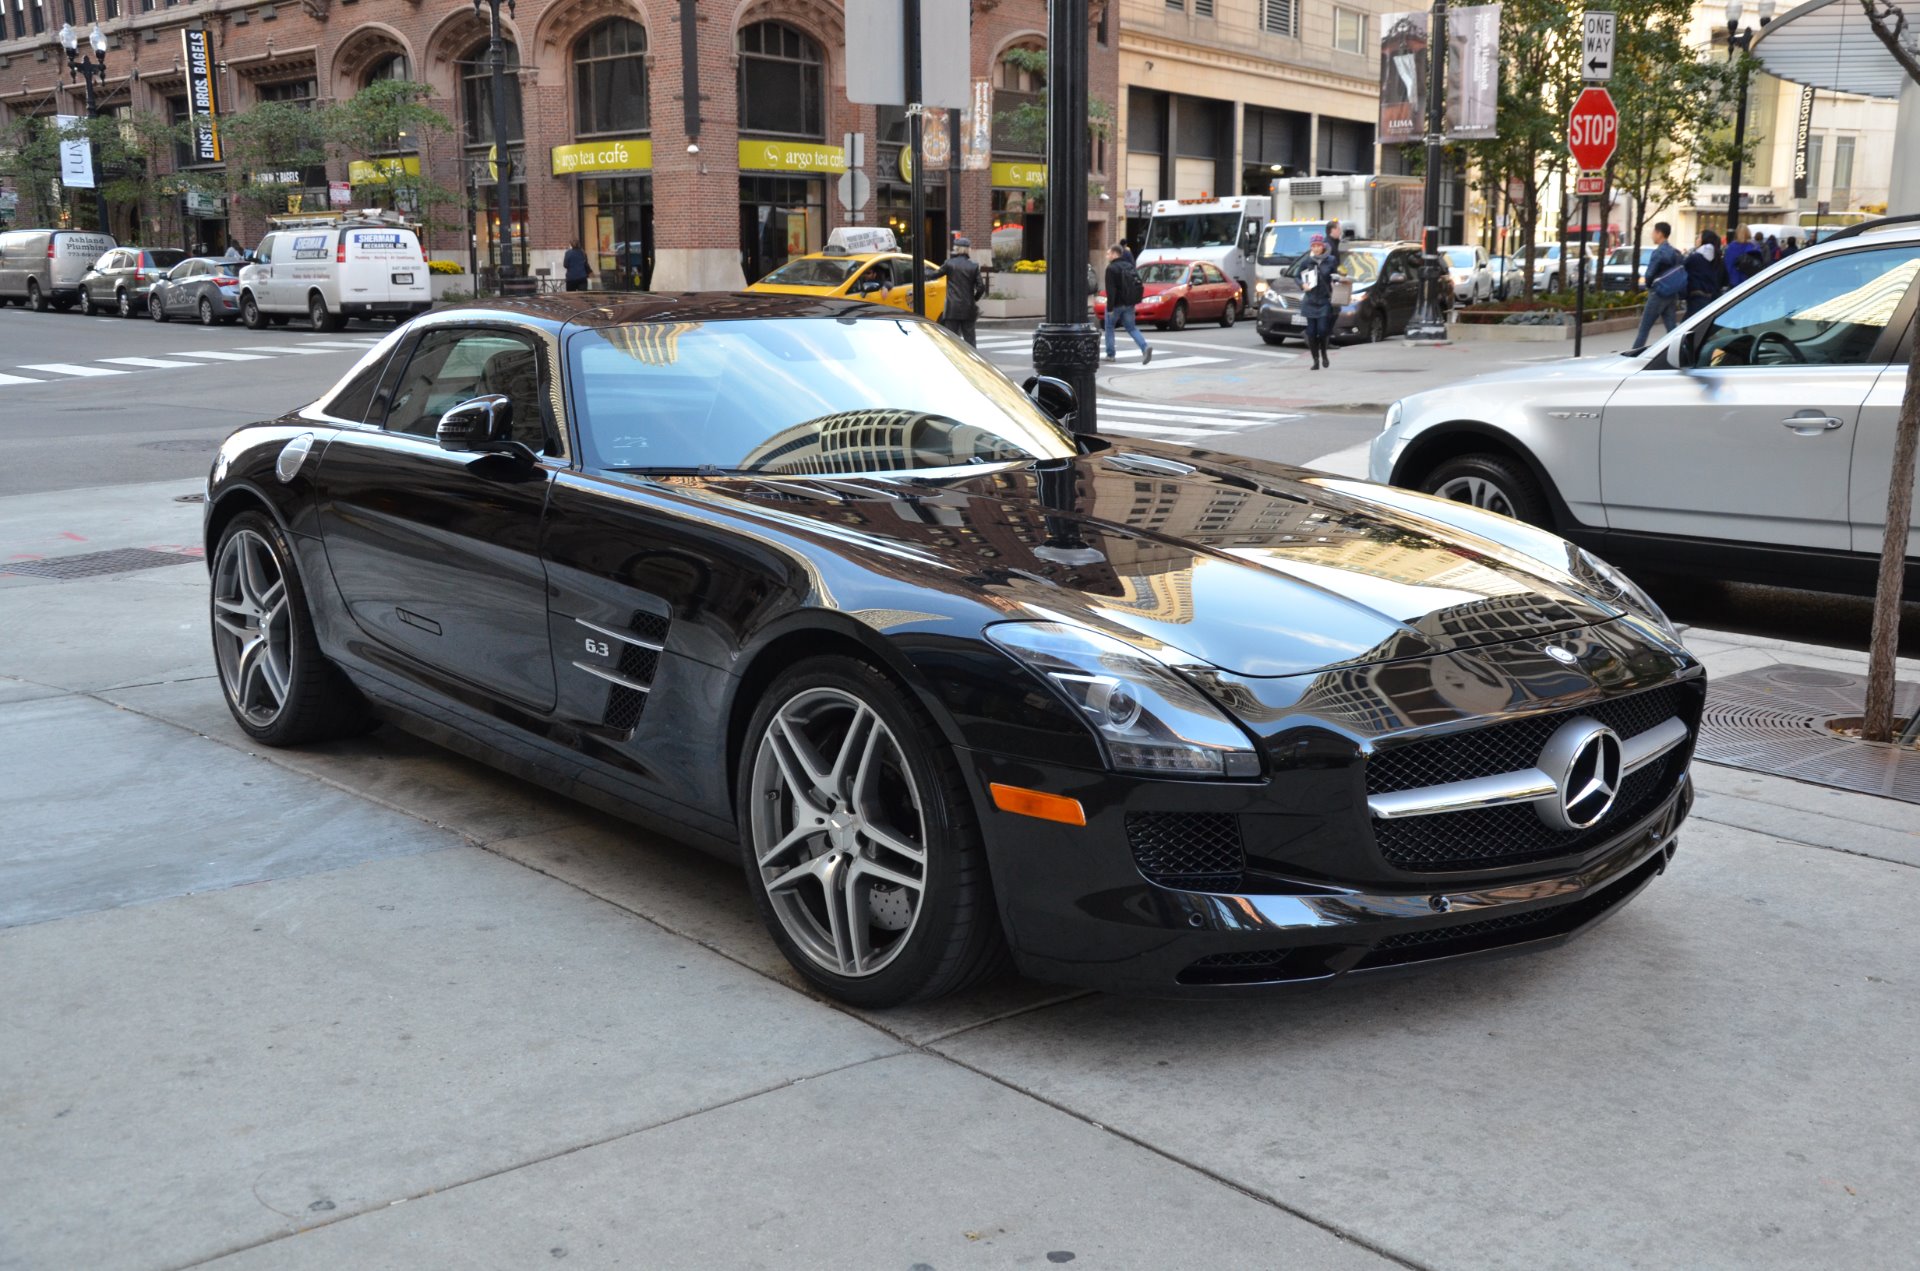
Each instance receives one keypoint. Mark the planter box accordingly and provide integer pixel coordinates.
(438, 285)
(1025, 296)
(1501, 333)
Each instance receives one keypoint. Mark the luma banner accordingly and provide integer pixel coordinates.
(1473, 73)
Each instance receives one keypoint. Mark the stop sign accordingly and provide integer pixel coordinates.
(1593, 129)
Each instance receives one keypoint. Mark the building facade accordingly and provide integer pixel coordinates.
(686, 144)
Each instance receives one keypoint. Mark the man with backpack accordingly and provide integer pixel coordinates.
(1124, 291)
(1666, 283)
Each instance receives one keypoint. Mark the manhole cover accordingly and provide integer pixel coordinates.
(186, 445)
(1779, 720)
(91, 564)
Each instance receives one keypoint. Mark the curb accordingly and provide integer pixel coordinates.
(1773, 645)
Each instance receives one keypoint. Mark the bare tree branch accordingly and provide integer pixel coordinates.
(1889, 22)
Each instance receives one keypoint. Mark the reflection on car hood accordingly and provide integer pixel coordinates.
(1258, 569)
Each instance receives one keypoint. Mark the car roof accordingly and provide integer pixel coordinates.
(602, 309)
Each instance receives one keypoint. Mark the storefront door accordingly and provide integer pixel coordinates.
(780, 218)
(616, 229)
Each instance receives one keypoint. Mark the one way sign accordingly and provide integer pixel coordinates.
(1596, 51)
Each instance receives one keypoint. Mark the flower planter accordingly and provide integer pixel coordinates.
(1011, 295)
(438, 285)
(1502, 333)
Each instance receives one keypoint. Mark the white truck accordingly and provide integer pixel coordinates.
(1222, 232)
(1369, 208)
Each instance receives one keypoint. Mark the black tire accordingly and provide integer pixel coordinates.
(86, 302)
(1179, 320)
(320, 317)
(250, 313)
(320, 704)
(154, 308)
(954, 939)
(208, 318)
(1230, 314)
(1272, 338)
(1495, 483)
(36, 298)
(1377, 327)
(123, 303)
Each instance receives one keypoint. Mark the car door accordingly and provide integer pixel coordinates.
(1873, 446)
(1754, 441)
(183, 289)
(436, 554)
(1402, 278)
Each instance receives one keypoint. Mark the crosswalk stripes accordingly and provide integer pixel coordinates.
(1174, 422)
(149, 363)
(71, 368)
(175, 359)
(220, 355)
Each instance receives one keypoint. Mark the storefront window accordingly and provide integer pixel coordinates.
(616, 230)
(610, 79)
(1019, 228)
(896, 211)
(781, 72)
(780, 218)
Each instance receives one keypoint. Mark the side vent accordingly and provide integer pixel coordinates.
(631, 678)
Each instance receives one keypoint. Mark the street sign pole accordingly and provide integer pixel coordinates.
(1580, 288)
(916, 182)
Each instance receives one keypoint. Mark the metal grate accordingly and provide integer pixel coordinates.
(92, 564)
(1778, 719)
(1513, 746)
(625, 706)
(1199, 851)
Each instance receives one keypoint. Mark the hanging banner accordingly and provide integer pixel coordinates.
(1403, 78)
(1473, 73)
(1802, 128)
(203, 97)
(976, 129)
(76, 155)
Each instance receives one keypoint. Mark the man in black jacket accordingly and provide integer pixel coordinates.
(965, 286)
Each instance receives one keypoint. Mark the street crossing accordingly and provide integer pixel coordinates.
(175, 359)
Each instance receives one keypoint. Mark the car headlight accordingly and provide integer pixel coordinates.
(1260, 288)
(1610, 584)
(1393, 418)
(1149, 718)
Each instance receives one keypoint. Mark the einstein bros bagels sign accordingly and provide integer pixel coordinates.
(613, 154)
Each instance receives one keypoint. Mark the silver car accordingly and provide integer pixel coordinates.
(1753, 443)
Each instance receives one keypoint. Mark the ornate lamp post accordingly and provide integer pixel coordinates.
(1741, 40)
(89, 69)
(1429, 321)
(502, 168)
(1066, 346)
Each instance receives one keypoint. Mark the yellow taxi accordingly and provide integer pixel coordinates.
(862, 266)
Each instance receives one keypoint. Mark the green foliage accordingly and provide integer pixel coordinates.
(390, 117)
(30, 163)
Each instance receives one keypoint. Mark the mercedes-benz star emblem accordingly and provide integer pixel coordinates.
(1583, 760)
(1559, 654)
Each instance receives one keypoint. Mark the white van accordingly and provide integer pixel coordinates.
(42, 267)
(331, 271)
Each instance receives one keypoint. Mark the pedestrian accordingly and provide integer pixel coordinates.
(1738, 247)
(1663, 298)
(233, 251)
(965, 287)
(574, 265)
(1316, 271)
(1124, 291)
(1706, 277)
(1773, 249)
(1791, 246)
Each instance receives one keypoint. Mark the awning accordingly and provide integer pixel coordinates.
(1829, 44)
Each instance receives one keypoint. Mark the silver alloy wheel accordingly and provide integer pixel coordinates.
(1479, 492)
(253, 627)
(123, 302)
(206, 312)
(837, 832)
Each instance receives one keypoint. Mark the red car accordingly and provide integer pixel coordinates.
(1177, 290)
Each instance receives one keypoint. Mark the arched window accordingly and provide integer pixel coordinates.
(610, 79)
(476, 95)
(781, 73)
(392, 66)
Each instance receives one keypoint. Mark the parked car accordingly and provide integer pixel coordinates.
(1752, 443)
(883, 277)
(335, 269)
(43, 267)
(1176, 291)
(204, 287)
(119, 280)
(1386, 291)
(817, 587)
(1504, 285)
(1550, 273)
(1470, 274)
(1624, 270)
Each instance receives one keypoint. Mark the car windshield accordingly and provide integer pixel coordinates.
(1199, 229)
(1280, 244)
(814, 271)
(1460, 257)
(1164, 271)
(798, 396)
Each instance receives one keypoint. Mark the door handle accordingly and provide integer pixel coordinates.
(1812, 425)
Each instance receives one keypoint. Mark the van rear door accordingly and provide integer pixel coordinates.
(383, 266)
(74, 254)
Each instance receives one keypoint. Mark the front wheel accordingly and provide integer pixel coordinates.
(1179, 320)
(250, 313)
(1377, 327)
(1494, 483)
(123, 302)
(1230, 314)
(319, 316)
(280, 688)
(860, 842)
(86, 302)
(156, 310)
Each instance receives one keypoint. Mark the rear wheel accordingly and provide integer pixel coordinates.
(280, 688)
(155, 309)
(1230, 314)
(1494, 483)
(1179, 320)
(859, 840)
(250, 313)
(320, 317)
(36, 298)
(208, 317)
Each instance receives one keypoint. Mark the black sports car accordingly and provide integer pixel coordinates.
(813, 585)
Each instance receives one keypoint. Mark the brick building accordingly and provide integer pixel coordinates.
(672, 175)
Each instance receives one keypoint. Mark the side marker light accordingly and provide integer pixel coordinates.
(1037, 803)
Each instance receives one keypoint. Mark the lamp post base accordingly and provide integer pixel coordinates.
(1070, 352)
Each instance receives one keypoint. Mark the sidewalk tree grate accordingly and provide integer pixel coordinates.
(1782, 720)
(92, 564)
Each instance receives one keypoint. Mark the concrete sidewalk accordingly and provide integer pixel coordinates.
(371, 1005)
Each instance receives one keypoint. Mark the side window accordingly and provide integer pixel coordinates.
(355, 398)
(265, 250)
(450, 366)
(901, 270)
(1828, 312)
(875, 272)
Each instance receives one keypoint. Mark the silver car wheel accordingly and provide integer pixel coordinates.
(252, 627)
(1479, 492)
(838, 835)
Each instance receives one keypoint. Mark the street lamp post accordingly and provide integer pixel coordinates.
(502, 168)
(89, 69)
(1740, 40)
(1429, 321)
(1066, 346)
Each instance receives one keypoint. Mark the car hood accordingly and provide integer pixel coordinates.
(1257, 569)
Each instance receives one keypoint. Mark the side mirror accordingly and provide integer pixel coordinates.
(1396, 277)
(478, 425)
(1687, 351)
(1055, 397)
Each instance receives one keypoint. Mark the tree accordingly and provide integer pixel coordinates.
(30, 162)
(384, 126)
(267, 147)
(1890, 25)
